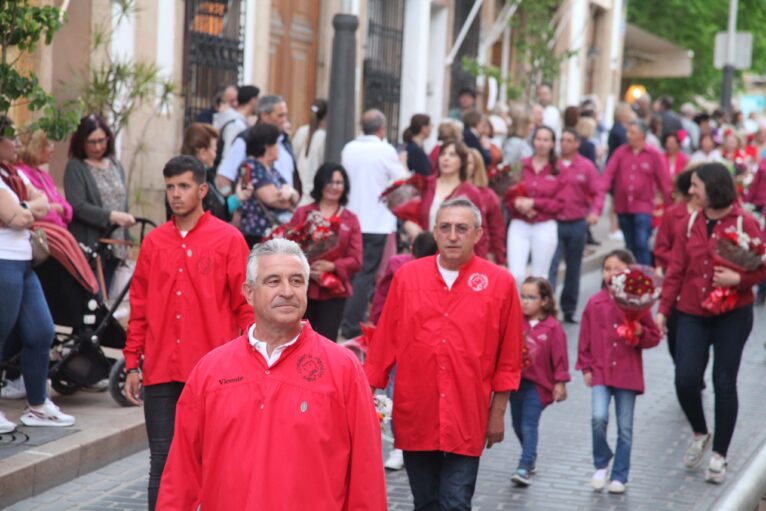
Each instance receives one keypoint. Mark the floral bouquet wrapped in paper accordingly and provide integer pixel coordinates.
(403, 197)
(635, 291)
(506, 176)
(740, 252)
(384, 407)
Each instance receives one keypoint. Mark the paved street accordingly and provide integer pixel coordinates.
(658, 479)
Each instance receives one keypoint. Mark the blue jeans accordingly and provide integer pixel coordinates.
(23, 310)
(526, 409)
(572, 236)
(624, 403)
(441, 481)
(637, 229)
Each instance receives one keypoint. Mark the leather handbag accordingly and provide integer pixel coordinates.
(40, 249)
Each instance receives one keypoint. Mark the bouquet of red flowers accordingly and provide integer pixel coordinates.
(361, 343)
(403, 197)
(504, 177)
(740, 252)
(635, 290)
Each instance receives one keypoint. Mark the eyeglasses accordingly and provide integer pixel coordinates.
(460, 229)
(97, 141)
(529, 298)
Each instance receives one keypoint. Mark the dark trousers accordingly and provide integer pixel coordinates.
(363, 284)
(637, 229)
(727, 333)
(672, 333)
(325, 316)
(572, 236)
(160, 414)
(441, 481)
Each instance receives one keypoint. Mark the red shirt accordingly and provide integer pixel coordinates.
(603, 353)
(756, 192)
(675, 215)
(301, 434)
(381, 291)
(185, 297)
(676, 166)
(580, 187)
(495, 228)
(689, 277)
(347, 255)
(544, 188)
(452, 349)
(464, 189)
(546, 345)
(637, 177)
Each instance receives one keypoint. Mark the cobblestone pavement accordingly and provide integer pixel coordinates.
(657, 480)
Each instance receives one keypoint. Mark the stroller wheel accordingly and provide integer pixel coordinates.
(63, 387)
(117, 383)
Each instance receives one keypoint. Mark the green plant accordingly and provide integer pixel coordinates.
(22, 26)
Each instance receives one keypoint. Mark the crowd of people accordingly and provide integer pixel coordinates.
(463, 293)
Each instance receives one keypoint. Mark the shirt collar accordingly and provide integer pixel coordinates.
(201, 221)
(255, 343)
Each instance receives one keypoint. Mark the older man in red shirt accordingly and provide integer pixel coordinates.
(279, 418)
(637, 172)
(452, 324)
(185, 299)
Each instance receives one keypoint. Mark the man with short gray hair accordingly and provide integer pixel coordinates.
(279, 418)
(452, 325)
(371, 164)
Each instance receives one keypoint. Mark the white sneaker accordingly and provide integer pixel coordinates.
(616, 487)
(395, 460)
(598, 481)
(13, 389)
(616, 236)
(6, 426)
(46, 415)
(716, 469)
(696, 451)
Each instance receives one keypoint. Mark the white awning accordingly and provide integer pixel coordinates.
(649, 56)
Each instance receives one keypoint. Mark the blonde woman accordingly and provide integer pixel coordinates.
(516, 148)
(490, 207)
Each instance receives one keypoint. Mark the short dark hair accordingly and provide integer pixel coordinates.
(719, 186)
(684, 181)
(88, 125)
(467, 91)
(245, 93)
(260, 136)
(668, 135)
(324, 176)
(424, 245)
(185, 163)
(572, 132)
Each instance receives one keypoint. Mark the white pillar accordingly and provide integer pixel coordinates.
(437, 51)
(417, 18)
(248, 64)
(166, 32)
(577, 23)
(615, 58)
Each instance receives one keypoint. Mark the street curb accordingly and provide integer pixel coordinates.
(746, 491)
(41, 468)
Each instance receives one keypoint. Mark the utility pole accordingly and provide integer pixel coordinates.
(728, 69)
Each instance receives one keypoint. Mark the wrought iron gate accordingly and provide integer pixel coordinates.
(383, 61)
(214, 50)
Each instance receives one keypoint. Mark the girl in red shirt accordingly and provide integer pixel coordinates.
(612, 369)
(545, 371)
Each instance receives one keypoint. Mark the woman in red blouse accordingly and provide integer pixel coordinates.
(490, 208)
(675, 159)
(325, 304)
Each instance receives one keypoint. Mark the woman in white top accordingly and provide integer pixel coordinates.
(308, 147)
(707, 153)
(23, 308)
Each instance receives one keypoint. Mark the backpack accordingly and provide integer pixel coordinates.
(219, 144)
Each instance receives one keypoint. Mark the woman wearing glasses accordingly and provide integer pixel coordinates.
(94, 182)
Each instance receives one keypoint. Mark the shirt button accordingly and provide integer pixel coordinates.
(614, 363)
(183, 245)
(178, 341)
(178, 293)
(180, 270)
(267, 371)
(444, 341)
(262, 407)
(446, 314)
(705, 263)
(615, 344)
(615, 325)
(442, 394)
(178, 316)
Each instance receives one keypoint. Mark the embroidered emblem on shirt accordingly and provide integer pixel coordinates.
(478, 282)
(304, 407)
(543, 337)
(310, 368)
(204, 265)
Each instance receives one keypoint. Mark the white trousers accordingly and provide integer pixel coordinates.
(540, 239)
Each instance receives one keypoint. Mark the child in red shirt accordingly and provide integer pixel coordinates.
(545, 371)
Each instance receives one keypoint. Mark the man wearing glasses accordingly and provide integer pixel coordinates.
(452, 324)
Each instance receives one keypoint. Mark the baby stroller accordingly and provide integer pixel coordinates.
(84, 322)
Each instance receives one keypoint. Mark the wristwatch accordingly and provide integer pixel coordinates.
(134, 370)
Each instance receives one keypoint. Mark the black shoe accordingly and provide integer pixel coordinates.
(569, 318)
(591, 240)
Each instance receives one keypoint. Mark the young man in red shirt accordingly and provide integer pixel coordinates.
(452, 324)
(185, 299)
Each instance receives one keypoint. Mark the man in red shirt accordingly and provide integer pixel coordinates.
(279, 418)
(185, 299)
(637, 172)
(452, 324)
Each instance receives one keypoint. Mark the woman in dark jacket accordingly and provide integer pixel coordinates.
(414, 136)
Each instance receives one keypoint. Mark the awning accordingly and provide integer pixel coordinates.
(649, 56)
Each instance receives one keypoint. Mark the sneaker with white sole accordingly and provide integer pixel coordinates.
(13, 389)
(6, 426)
(598, 481)
(395, 460)
(716, 469)
(616, 236)
(616, 487)
(522, 477)
(696, 451)
(46, 415)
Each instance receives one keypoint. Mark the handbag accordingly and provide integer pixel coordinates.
(40, 249)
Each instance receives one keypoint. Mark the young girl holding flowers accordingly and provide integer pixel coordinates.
(613, 369)
(545, 371)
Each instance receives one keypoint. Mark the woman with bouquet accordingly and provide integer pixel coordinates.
(331, 271)
(612, 367)
(715, 262)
